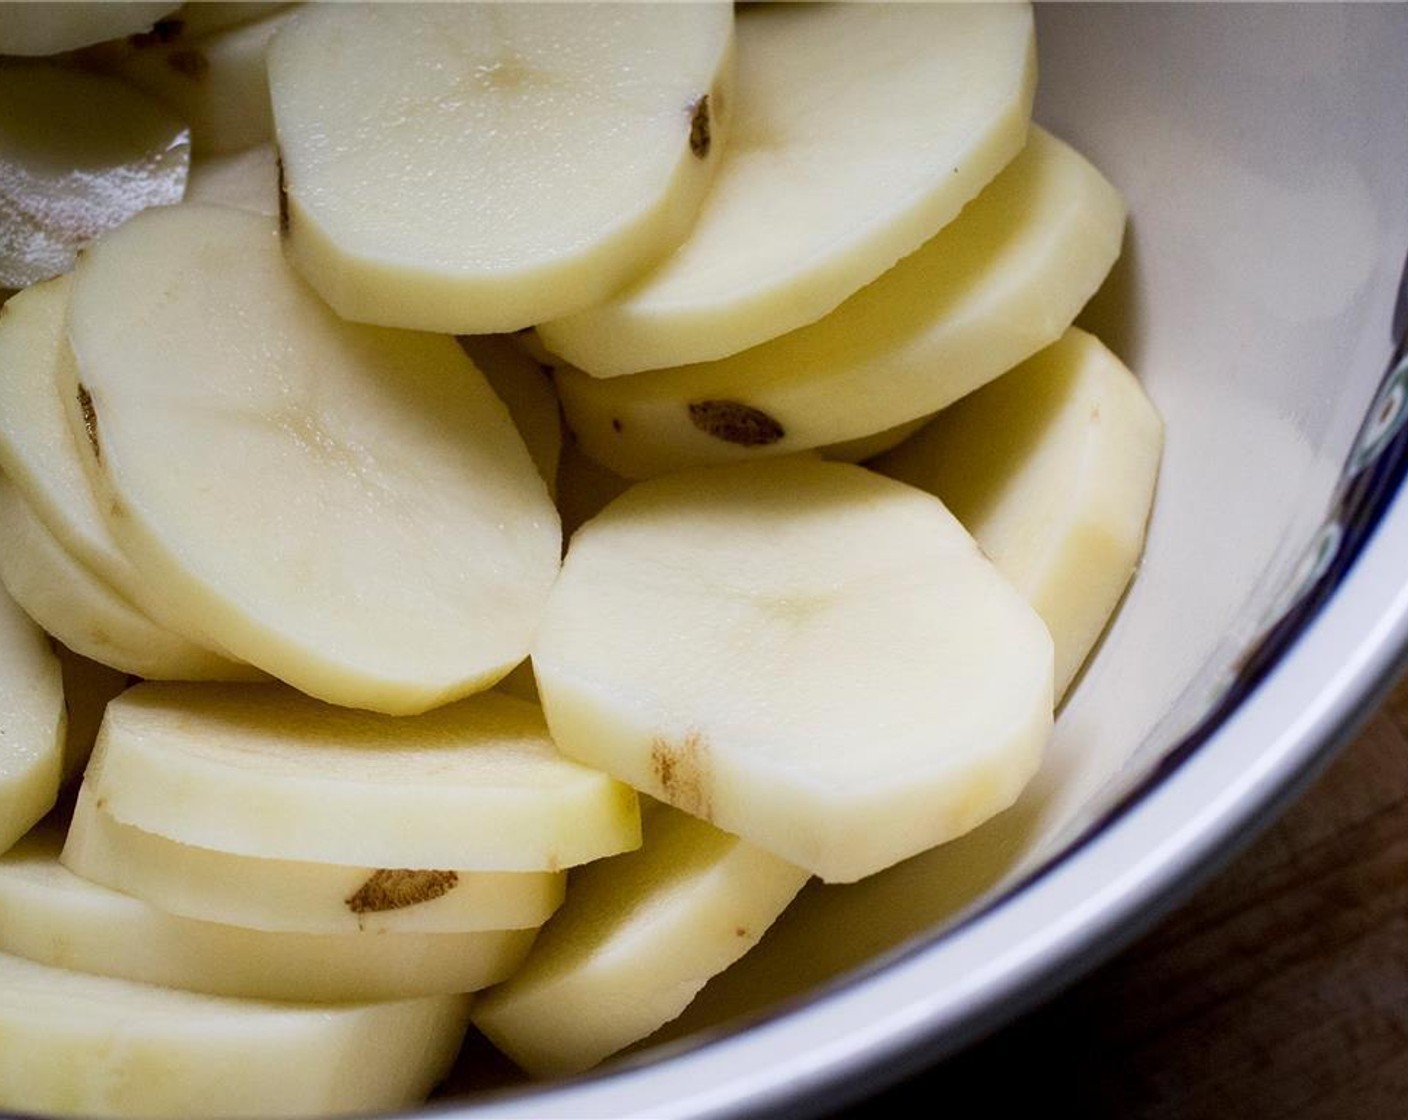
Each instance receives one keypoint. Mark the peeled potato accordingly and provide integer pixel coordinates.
(805, 654)
(509, 163)
(66, 539)
(92, 1046)
(87, 615)
(260, 770)
(32, 723)
(354, 511)
(861, 131)
(996, 285)
(53, 916)
(300, 896)
(1052, 469)
(642, 933)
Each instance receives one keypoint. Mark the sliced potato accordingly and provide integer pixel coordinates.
(1052, 469)
(299, 896)
(996, 285)
(41, 457)
(88, 616)
(808, 655)
(91, 1046)
(642, 933)
(510, 163)
(349, 508)
(50, 915)
(861, 131)
(32, 723)
(260, 770)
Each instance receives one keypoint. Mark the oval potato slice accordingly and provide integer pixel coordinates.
(860, 131)
(1052, 469)
(349, 507)
(300, 896)
(32, 722)
(261, 770)
(512, 162)
(806, 654)
(996, 285)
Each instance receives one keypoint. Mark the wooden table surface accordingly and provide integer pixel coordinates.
(1279, 990)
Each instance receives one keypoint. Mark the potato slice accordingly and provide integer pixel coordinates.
(32, 723)
(84, 613)
(217, 83)
(80, 153)
(72, 542)
(804, 653)
(39, 29)
(50, 915)
(1052, 469)
(263, 771)
(298, 896)
(861, 131)
(90, 1046)
(640, 935)
(349, 508)
(996, 285)
(511, 163)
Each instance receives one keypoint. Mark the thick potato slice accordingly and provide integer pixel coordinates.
(1052, 469)
(641, 934)
(80, 153)
(299, 896)
(511, 162)
(87, 615)
(996, 285)
(91, 1046)
(32, 723)
(349, 508)
(804, 653)
(38, 29)
(40, 455)
(263, 771)
(861, 130)
(218, 83)
(50, 915)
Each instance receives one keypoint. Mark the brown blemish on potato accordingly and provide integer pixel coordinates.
(283, 195)
(681, 772)
(740, 931)
(90, 420)
(395, 889)
(699, 138)
(189, 63)
(736, 422)
(616, 424)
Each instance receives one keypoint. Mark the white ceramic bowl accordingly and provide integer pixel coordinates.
(1264, 154)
